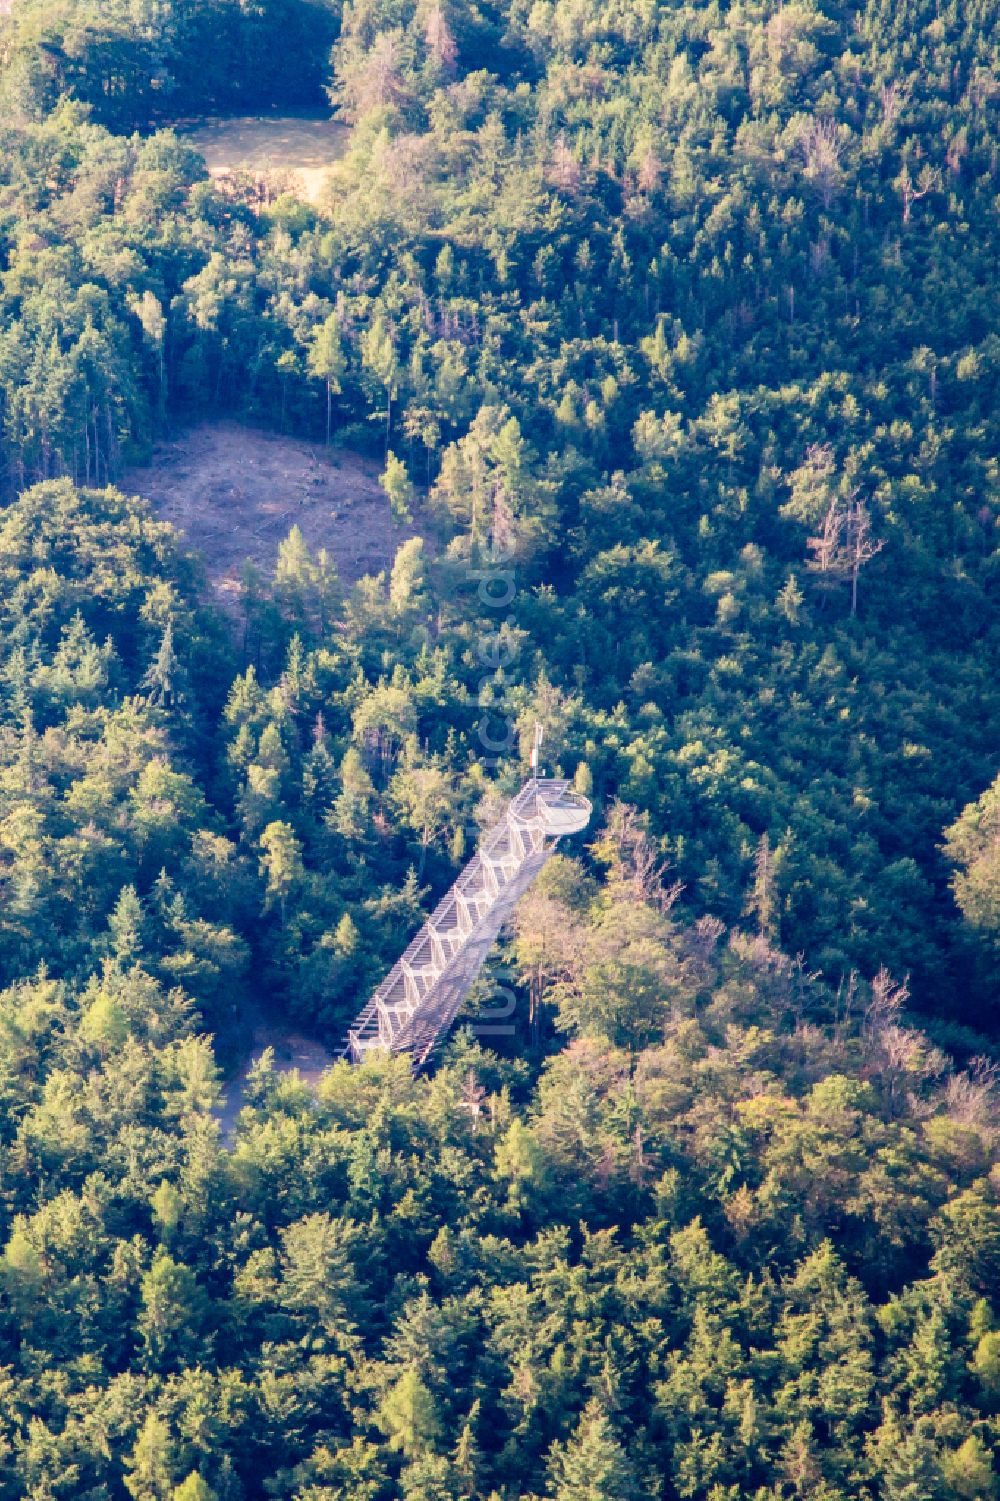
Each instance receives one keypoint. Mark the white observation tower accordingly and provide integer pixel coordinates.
(422, 994)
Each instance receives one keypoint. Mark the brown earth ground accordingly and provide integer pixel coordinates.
(292, 1053)
(301, 149)
(236, 492)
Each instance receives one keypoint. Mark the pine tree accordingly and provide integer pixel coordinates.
(761, 898)
(378, 352)
(125, 925)
(346, 937)
(408, 580)
(326, 361)
(173, 1308)
(161, 681)
(194, 1488)
(351, 810)
(398, 488)
(281, 865)
(790, 600)
(968, 1471)
(295, 579)
(408, 1415)
(906, 1458)
(466, 1458)
(149, 1466)
(592, 1466)
(319, 777)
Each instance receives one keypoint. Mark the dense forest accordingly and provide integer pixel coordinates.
(673, 330)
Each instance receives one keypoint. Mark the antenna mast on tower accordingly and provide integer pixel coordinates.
(536, 750)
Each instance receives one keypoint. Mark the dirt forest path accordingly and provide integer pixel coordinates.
(235, 492)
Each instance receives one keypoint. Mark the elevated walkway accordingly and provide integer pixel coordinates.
(423, 992)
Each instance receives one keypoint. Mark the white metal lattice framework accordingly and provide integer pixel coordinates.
(421, 995)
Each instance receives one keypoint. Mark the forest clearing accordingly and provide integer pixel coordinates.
(235, 492)
(291, 1053)
(303, 149)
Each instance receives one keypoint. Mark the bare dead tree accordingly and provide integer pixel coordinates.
(819, 254)
(440, 42)
(803, 981)
(379, 79)
(641, 1163)
(891, 1051)
(862, 546)
(822, 145)
(887, 1047)
(887, 999)
(564, 169)
(911, 192)
(502, 526)
(983, 86)
(548, 947)
(782, 28)
(472, 1096)
(904, 1054)
(972, 1097)
(648, 175)
(844, 543)
(636, 859)
(846, 1001)
(826, 545)
(703, 938)
(958, 148)
(760, 898)
(892, 96)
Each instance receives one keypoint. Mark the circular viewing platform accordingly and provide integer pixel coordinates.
(567, 812)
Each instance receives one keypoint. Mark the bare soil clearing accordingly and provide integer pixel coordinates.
(236, 492)
(302, 149)
(292, 1053)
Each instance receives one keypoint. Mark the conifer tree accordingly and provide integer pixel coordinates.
(592, 1465)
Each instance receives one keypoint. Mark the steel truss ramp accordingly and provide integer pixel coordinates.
(420, 997)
